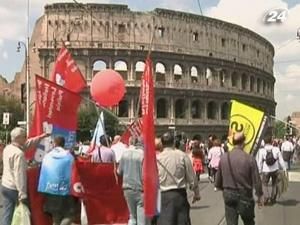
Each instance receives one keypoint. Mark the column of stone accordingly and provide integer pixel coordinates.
(219, 114)
(171, 110)
(131, 74)
(110, 63)
(189, 110)
(131, 109)
(205, 110)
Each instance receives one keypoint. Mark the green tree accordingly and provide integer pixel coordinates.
(88, 117)
(14, 107)
(279, 129)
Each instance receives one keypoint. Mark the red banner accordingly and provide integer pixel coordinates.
(150, 173)
(55, 113)
(133, 130)
(104, 200)
(66, 73)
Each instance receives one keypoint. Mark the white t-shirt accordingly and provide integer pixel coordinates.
(287, 146)
(118, 149)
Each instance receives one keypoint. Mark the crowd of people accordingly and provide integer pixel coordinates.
(180, 163)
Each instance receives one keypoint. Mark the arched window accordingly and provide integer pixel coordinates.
(225, 111)
(222, 78)
(123, 109)
(121, 67)
(212, 110)
(196, 109)
(209, 77)
(139, 69)
(251, 83)
(161, 108)
(234, 79)
(244, 81)
(177, 72)
(258, 85)
(98, 66)
(194, 74)
(180, 108)
(160, 72)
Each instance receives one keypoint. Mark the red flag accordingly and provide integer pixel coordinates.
(55, 113)
(150, 174)
(66, 72)
(133, 130)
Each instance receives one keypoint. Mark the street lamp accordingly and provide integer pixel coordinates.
(20, 44)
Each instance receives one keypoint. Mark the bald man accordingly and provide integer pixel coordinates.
(237, 176)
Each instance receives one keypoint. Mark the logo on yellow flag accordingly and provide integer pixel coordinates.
(248, 120)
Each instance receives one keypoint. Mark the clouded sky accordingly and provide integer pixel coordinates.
(248, 13)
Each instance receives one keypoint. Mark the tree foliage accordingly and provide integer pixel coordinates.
(14, 107)
(88, 117)
(279, 129)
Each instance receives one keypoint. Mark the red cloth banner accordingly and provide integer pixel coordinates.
(133, 130)
(150, 173)
(55, 113)
(104, 199)
(66, 72)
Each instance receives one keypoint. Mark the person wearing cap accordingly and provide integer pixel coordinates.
(14, 179)
(237, 176)
(131, 170)
(176, 174)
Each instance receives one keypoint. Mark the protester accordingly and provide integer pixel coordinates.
(270, 160)
(175, 175)
(214, 156)
(237, 176)
(197, 159)
(118, 147)
(14, 186)
(158, 145)
(56, 172)
(130, 168)
(287, 149)
(103, 154)
(2, 146)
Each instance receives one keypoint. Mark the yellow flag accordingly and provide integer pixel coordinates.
(248, 120)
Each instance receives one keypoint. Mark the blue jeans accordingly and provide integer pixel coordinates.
(135, 205)
(10, 200)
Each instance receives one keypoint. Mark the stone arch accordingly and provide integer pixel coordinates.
(194, 74)
(244, 81)
(225, 111)
(121, 67)
(160, 72)
(178, 72)
(98, 66)
(161, 108)
(212, 110)
(180, 109)
(209, 76)
(234, 79)
(258, 85)
(123, 108)
(139, 69)
(196, 112)
(251, 83)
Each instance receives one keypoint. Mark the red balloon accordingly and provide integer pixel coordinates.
(107, 88)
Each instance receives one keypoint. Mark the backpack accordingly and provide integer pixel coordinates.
(270, 160)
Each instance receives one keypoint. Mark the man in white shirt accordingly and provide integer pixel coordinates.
(118, 148)
(287, 149)
(14, 180)
(269, 162)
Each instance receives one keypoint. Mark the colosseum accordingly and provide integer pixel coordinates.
(200, 63)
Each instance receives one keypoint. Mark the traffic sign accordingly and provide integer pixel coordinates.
(6, 118)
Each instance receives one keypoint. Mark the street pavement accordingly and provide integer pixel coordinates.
(210, 210)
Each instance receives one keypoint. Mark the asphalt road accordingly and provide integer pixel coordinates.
(210, 210)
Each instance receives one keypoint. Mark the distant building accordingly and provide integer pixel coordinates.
(200, 63)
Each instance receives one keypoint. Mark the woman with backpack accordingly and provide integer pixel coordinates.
(197, 159)
(214, 156)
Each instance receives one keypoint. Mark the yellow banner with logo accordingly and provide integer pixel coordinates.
(246, 119)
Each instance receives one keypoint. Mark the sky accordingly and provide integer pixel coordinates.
(247, 13)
